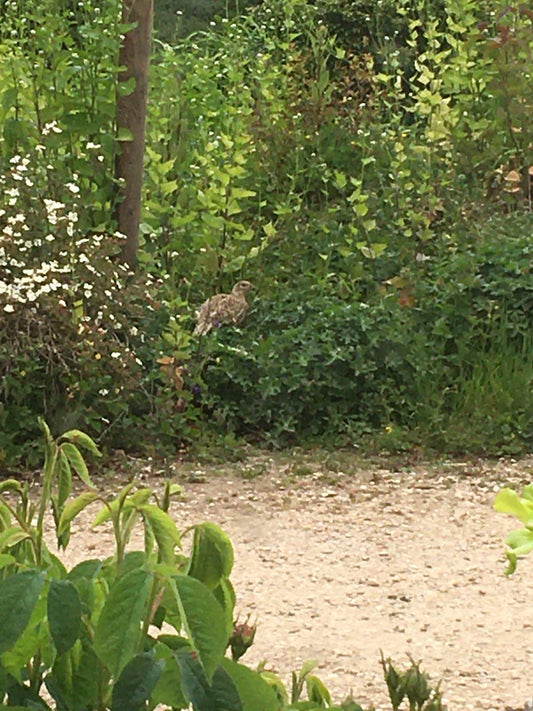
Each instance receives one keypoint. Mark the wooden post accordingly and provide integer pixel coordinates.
(131, 111)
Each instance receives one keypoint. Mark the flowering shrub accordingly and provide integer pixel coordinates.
(70, 314)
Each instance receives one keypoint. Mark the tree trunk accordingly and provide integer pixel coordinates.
(131, 119)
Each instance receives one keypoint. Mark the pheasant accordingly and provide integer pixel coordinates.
(223, 308)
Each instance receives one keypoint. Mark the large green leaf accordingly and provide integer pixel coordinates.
(212, 555)
(86, 680)
(136, 683)
(83, 576)
(34, 638)
(164, 529)
(18, 596)
(508, 501)
(255, 693)
(6, 559)
(75, 679)
(168, 691)
(64, 614)
(86, 570)
(220, 695)
(117, 633)
(203, 619)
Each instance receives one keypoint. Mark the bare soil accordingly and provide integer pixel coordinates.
(338, 558)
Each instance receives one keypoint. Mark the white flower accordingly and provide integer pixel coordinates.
(52, 205)
(9, 308)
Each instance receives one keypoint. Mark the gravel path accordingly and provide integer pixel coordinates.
(339, 564)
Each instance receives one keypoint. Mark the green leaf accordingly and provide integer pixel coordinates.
(64, 614)
(212, 555)
(215, 222)
(117, 633)
(81, 439)
(34, 639)
(136, 682)
(527, 492)
(225, 594)
(86, 570)
(168, 691)
(6, 559)
(11, 536)
(18, 596)
(46, 430)
(11, 485)
(65, 482)
(77, 462)
(106, 511)
(73, 508)
(242, 193)
(164, 529)
(194, 682)
(317, 691)
(270, 230)
(203, 619)
(125, 88)
(220, 695)
(508, 501)
(255, 693)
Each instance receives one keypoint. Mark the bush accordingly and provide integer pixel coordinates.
(315, 368)
(443, 352)
(79, 333)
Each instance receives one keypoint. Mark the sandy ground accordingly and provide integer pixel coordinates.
(341, 558)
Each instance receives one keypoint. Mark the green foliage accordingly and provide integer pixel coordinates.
(519, 541)
(325, 367)
(365, 165)
(92, 637)
(412, 685)
(84, 634)
(442, 355)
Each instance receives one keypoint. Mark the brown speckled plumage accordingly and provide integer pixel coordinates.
(223, 308)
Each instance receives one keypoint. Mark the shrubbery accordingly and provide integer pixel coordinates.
(378, 197)
(444, 354)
